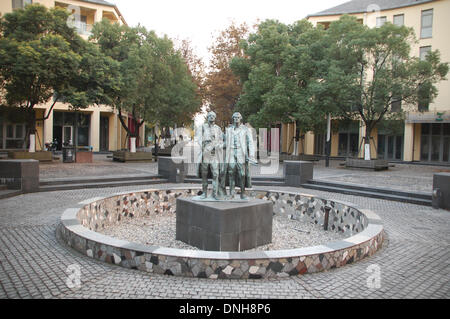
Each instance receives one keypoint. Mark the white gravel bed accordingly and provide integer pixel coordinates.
(159, 230)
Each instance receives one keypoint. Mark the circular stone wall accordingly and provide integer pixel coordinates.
(79, 225)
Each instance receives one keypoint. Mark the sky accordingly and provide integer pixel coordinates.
(200, 21)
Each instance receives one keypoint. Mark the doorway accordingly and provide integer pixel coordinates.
(104, 133)
(67, 135)
(435, 142)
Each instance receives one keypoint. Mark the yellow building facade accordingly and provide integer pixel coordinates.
(97, 127)
(425, 134)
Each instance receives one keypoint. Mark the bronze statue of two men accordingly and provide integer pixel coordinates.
(225, 158)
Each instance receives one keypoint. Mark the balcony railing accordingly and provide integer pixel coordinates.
(82, 27)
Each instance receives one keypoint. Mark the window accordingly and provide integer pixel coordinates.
(435, 142)
(399, 20)
(20, 4)
(325, 24)
(396, 105)
(381, 21)
(348, 142)
(423, 52)
(14, 136)
(427, 24)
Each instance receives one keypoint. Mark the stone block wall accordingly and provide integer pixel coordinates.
(297, 173)
(441, 190)
(172, 168)
(78, 227)
(20, 174)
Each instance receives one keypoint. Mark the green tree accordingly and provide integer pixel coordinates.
(42, 57)
(369, 71)
(282, 61)
(155, 83)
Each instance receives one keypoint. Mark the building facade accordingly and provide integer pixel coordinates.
(97, 127)
(425, 133)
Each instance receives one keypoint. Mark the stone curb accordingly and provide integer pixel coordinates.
(226, 265)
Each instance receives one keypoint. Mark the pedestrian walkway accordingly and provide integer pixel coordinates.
(406, 177)
(413, 263)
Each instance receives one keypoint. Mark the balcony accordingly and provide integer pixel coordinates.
(83, 28)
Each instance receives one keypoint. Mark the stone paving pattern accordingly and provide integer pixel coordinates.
(414, 261)
(399, 177)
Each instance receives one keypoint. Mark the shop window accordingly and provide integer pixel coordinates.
(14, 136)
(435, 142)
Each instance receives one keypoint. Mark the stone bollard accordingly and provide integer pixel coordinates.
(441, 190)
(297, 173)
(172, 168)
(20, 174)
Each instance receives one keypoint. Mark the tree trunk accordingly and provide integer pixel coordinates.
(367, 155)
(133, 144)
(31, 123)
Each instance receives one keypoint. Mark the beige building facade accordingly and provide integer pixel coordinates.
(96, 127)
(425, 134)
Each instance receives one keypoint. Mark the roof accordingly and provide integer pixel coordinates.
(102, 2)
(359, 6)
(109, 4)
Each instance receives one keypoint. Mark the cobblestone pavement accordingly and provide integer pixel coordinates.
(413, 263)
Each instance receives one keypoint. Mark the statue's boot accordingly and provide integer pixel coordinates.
(243, 196)
(217, 196)
(205, 192)
(232, 190)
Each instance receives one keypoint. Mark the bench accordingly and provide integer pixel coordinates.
(302, 157)
(126, 156)
(376, 165)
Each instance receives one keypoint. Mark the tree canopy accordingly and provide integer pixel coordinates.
(369, 73)
(282, 61)
(302, 73)
(155, 83)
(42, 57)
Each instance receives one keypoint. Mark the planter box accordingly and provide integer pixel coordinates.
(83, 157)
(376, 165)
(302, 157)
(126, 156)
(41, 156)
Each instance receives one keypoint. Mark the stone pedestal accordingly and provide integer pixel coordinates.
(297, 173)
(224, 225)
(441, 190)
(20, 174)
(172, 168)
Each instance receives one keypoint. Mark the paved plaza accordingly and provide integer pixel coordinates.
(413, 263)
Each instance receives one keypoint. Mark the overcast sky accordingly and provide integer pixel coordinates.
(201, 20)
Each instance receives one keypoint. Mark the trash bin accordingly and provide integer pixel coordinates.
(68, 154)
